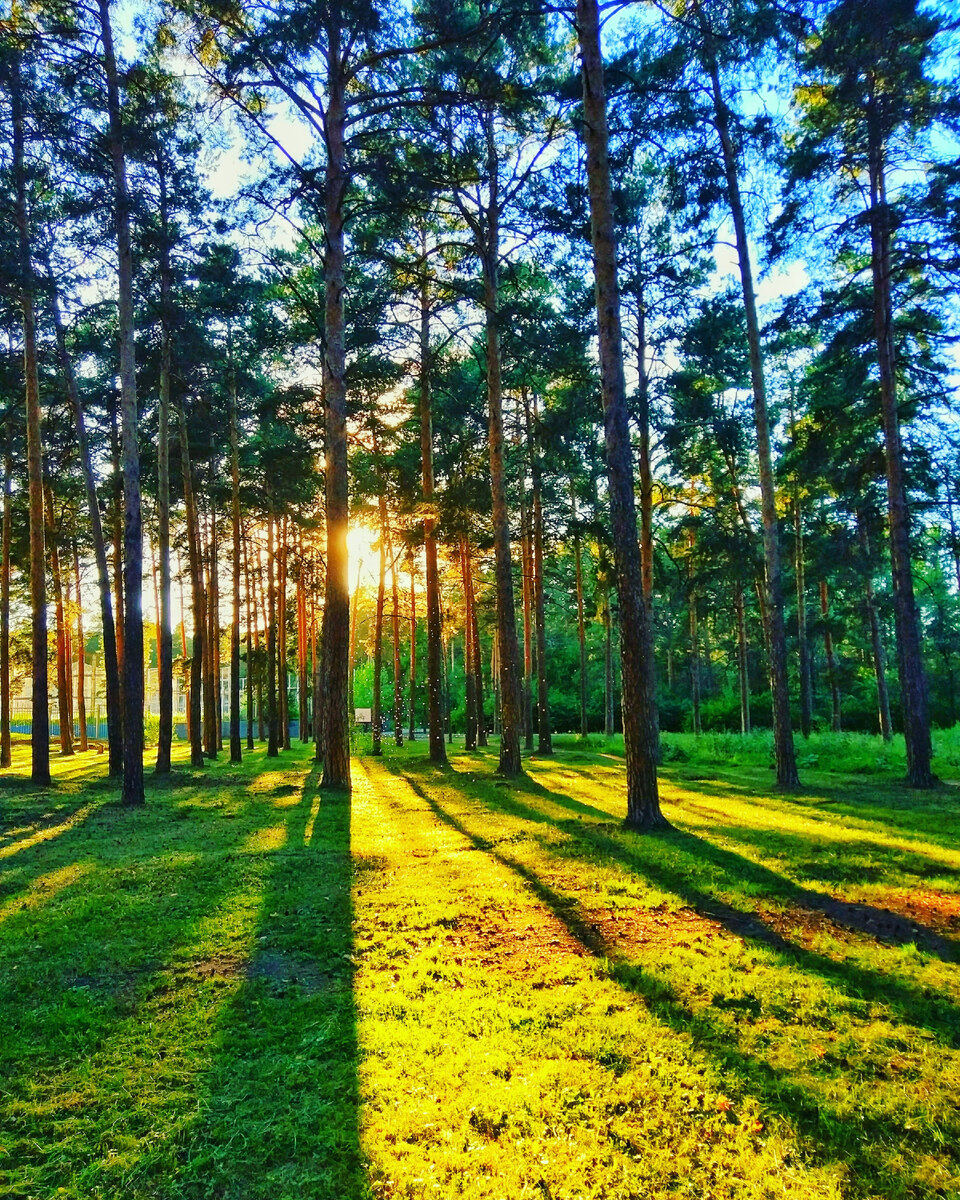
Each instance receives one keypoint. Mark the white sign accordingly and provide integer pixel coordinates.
(363, 716)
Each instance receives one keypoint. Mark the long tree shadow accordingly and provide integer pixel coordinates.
(281, 1114)
(836, 1136)
(677, 861)
(735, 870)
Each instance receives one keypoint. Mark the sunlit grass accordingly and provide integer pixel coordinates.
(455, 987)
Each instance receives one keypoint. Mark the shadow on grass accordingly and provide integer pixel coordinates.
(839, 1137)
(281, 1116)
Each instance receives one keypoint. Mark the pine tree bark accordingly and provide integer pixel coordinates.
(63, 689)
(742, 672)
(438, 753)
(397, 675)
(913, 681)
(5, 744)
(411, 732)
(507, 642)
(581, 622)
(40, 716)
(470, 683)
(273, 723)
(526, 602)
(787, 778)
(130, 453)
(831, 659)
(198, 600)
(108, 626)
(81, 659)
(236, 750)
(336, 766)
(639, 725)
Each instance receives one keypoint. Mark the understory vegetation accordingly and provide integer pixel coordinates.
(451, 986)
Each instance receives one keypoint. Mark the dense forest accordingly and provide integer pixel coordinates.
(497, 368)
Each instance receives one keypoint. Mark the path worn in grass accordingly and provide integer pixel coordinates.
(454, 987)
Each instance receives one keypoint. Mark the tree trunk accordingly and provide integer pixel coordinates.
(336, 765)
(302, 695)
(273, 728)
(165, 631)
(507, 644)
(639, 724)
(251, 620)
(831, 661)
(803, 648)
(397, 676)
(5, 745)
(81, 660)
(236, 750)
(411, 733)
(787, 778)
(63, 689)
(913, 682)
(40, 717)
(197, 597)
(469, 650)
(742, 671)
(132, 665)
(694, 663)
(438, 753)
(209, 684)
(544, 739)
(876, 640)
(609, 704)
(581, 623)
(284, 692)
(378, 626)
(477, 652)
(108, 627)
(526, 601)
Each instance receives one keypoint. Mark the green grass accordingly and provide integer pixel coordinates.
(454, 987)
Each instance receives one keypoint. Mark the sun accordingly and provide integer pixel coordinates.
(363, 557)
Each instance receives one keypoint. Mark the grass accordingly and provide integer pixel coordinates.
(452, 987)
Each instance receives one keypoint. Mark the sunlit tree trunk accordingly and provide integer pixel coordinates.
(63, 689)
(913, 682)
(284, 694)
(378, 626)
(273, 740)
(411, 732)
(132, 665)
(199, 615)
(581, 622)
(787, 778)
(81, 658)
(639, 725)
(336, 765)
(236, 751)
(251, 620)
(526, 572)
(108, 627)
(40, 717)
(507, 643)
(470, 683)
(397, 674)
(5, 745)
(831, 660)
(742, 671)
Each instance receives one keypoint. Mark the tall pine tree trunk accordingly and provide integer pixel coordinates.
(63, 689)
(273, 724)
(81, 658)
(913, 681)
(236, 750)
(40, 717)
(378, 625)
(251, 619)
(411, 732)
(336, 617)
(194, 697)
(130, 452)
(581, 622)
(5, 746)
(507, 643)
(787, 778)
(397, 675)
(108, 627)
(639, 724)
(526, 601)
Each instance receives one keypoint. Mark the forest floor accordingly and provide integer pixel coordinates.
(250, 989)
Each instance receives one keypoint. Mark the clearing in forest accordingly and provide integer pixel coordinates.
(454, 987)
